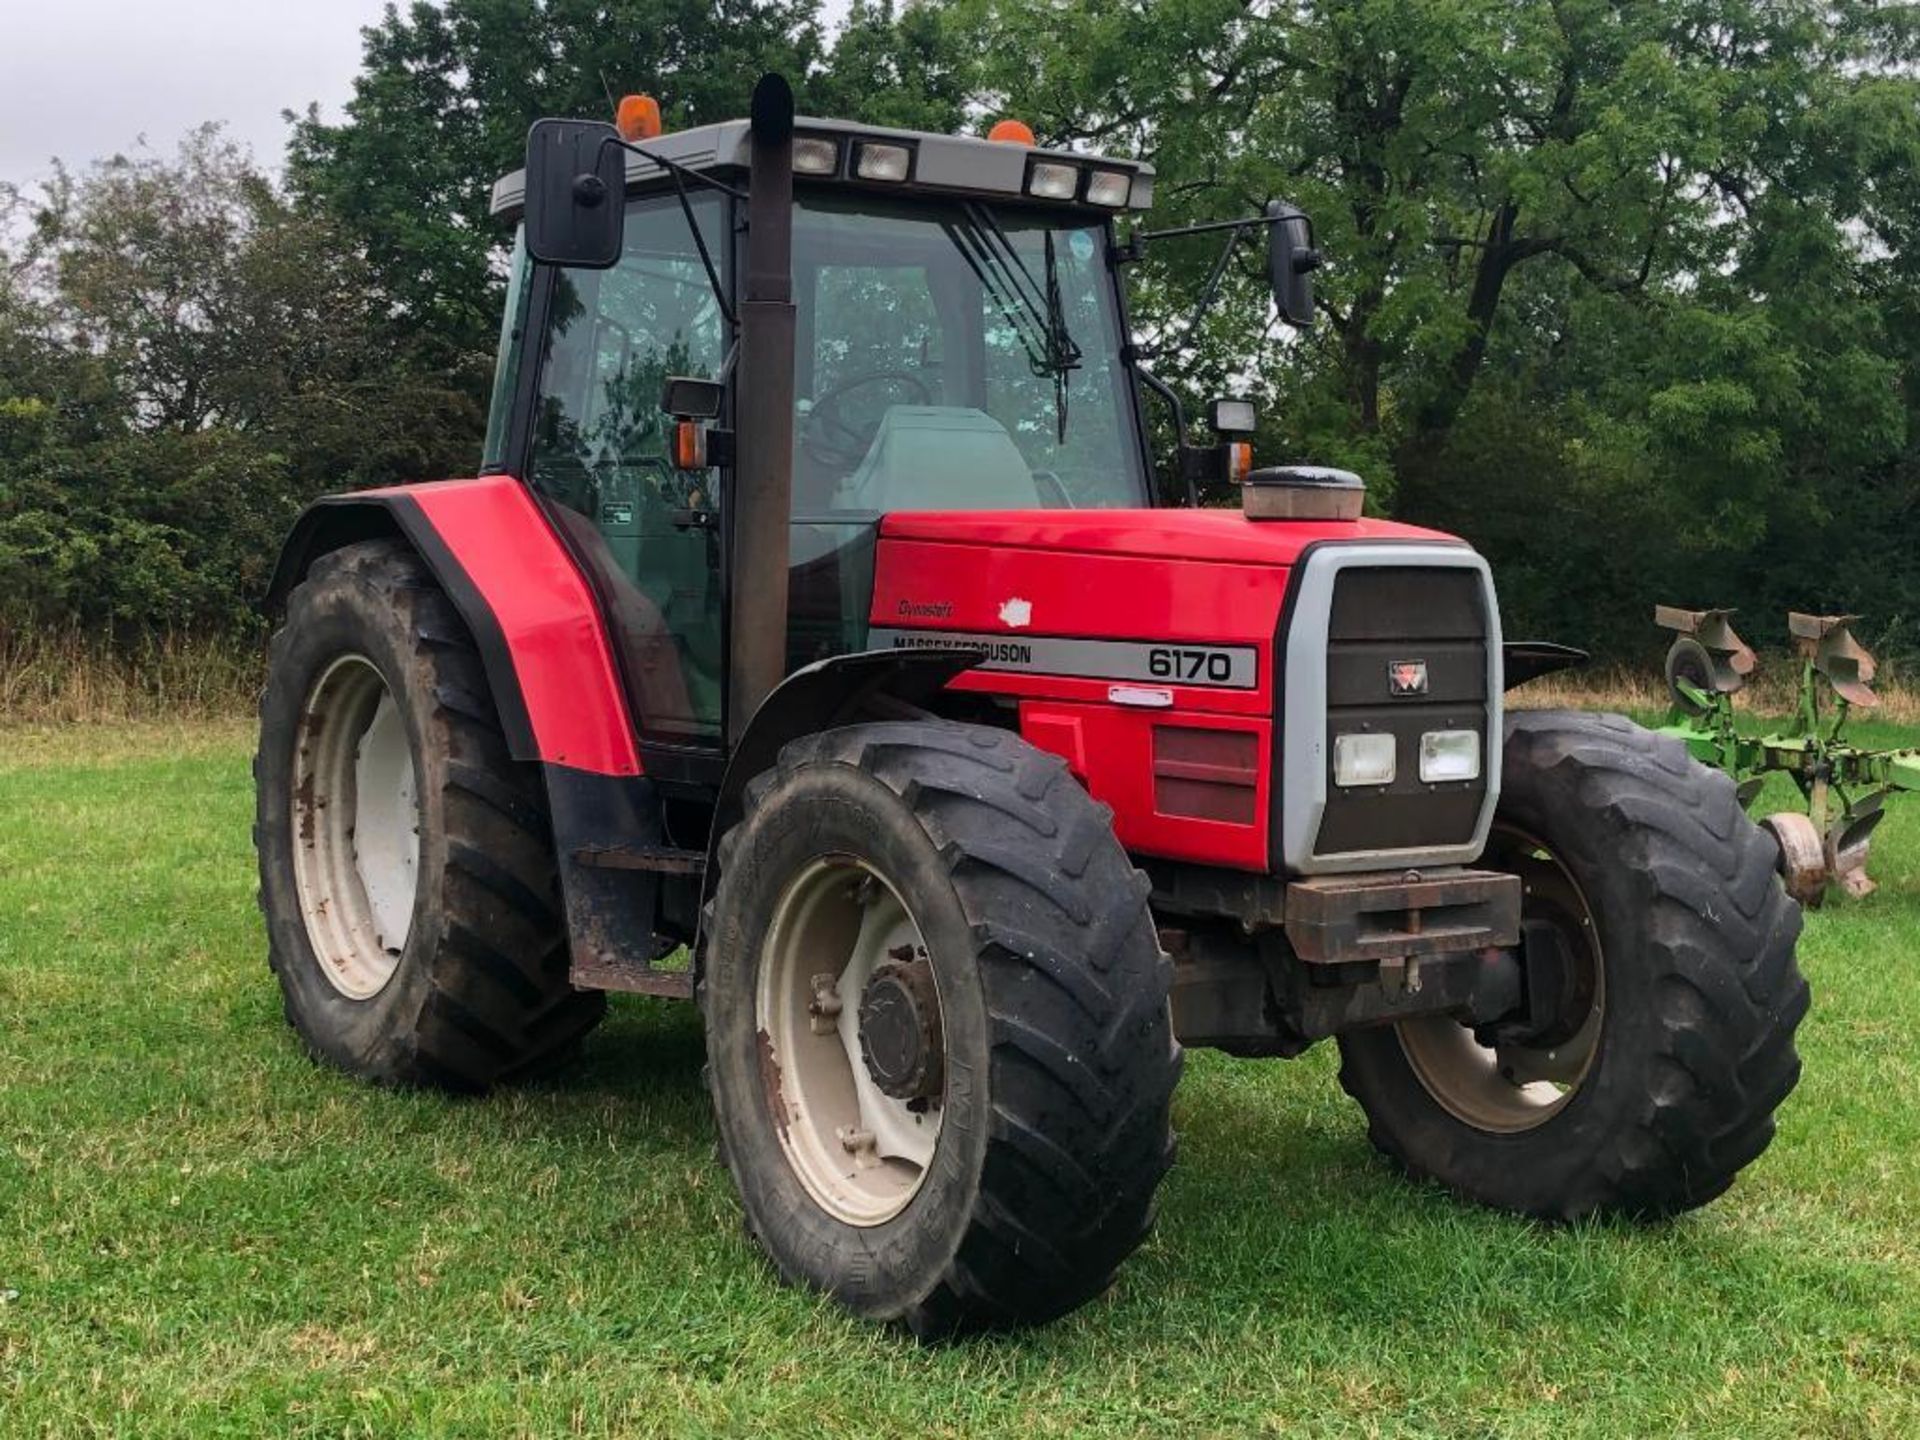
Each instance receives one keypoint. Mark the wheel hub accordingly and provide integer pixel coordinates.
(1514, 1076)
(899, 1034)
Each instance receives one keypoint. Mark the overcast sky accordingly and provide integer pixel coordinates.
(85, 78)
(82, 79)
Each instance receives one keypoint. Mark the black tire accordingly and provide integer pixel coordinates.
(1054, 996)
(1702, 993)
(480, 990)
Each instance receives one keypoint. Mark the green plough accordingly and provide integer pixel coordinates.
(1845, 787)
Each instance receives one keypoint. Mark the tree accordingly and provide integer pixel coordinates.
(904, 66)
(1664, 238)
(441, 108)
(184, 360)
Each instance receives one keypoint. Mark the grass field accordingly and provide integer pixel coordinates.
(201, 1233)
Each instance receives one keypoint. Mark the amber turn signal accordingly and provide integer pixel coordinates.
(689, 445)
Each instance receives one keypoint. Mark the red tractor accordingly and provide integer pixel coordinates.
(816, 645)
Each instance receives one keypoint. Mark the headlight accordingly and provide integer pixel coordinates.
(1109, 188)
(1363, 759)
(813, 155)
(1053, 182)
(1449, 755)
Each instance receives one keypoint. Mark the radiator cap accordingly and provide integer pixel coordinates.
(1303, 492)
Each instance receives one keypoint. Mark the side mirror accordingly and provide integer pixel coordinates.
(693, 404)
(1291, 261)
(691, 397)
(576, 184)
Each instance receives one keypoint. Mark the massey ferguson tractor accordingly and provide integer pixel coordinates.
(820, 642)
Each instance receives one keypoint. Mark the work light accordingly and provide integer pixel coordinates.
(1109, 188)
(1052, 181)
(1234, 417)
(815, 155)
(873, 161)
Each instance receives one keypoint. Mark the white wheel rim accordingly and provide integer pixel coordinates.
(861, 1153)
(356, 827)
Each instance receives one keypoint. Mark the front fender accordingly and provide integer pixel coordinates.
(835, 691)
(1530, 659)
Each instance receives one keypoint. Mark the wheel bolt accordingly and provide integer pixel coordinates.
(860, 1144)
(826, 1004)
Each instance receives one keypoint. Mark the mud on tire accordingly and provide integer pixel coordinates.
(1060, 1058)
(479, 991)
(1702, 994)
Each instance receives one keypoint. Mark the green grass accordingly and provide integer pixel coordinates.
(201, 1233)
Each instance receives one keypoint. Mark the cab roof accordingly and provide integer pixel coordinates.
(947, 164)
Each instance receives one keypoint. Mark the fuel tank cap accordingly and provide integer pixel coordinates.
(1302, 492)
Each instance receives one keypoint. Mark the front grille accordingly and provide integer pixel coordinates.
(1206, 774)
(1407, 620)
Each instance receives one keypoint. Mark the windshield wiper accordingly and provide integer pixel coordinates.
(1031, 308)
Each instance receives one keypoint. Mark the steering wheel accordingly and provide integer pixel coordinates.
(831, 439)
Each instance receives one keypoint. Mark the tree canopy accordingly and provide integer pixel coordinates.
(1623, 293)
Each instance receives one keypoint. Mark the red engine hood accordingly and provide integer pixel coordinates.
(1120, 636)
(1226, 536)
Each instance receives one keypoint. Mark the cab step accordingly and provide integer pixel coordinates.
(653, 859)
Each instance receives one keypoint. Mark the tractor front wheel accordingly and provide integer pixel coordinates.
(406, 866)
(941, 1056)
(1649, 1074)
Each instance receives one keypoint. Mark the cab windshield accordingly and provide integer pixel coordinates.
(956, 356)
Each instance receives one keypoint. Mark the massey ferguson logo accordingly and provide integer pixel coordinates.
(1407, 677)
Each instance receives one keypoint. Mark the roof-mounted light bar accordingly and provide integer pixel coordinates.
(1008, 165)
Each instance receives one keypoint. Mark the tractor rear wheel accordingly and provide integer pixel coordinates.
(406, 870)
(1654, 1076)
(941, 1055)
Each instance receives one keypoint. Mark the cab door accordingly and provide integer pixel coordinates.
(647, 533)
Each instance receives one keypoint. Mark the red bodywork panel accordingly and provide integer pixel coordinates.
(546, 614)
(1164, 577)
(1188, 768)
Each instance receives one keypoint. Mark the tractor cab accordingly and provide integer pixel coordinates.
(959, 344)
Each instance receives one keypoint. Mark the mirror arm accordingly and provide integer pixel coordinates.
(675, 168)
(1207, 227)
(679, 172)
(706, 258)
(1211, 291)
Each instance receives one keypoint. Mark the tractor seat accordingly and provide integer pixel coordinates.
(940, 457)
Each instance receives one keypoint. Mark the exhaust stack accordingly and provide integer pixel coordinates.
(762, 498)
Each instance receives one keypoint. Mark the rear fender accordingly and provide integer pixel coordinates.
(529, 609)
(554, 680)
